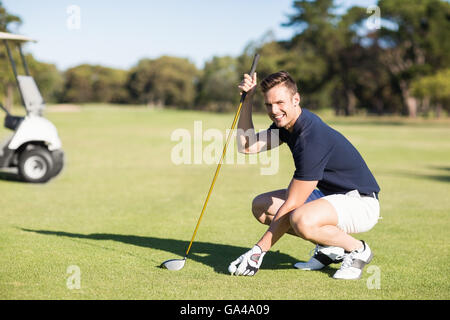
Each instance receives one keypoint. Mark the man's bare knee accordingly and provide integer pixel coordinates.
(302, 224)
(266, 205)
(258, 209)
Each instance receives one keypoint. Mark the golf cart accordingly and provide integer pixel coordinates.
(34, 148)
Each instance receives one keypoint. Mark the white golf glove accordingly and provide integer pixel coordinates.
(248, 263)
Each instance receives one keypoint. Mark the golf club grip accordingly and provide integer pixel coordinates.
(254, 64)
(252, 71)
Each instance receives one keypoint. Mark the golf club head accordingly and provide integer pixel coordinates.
(174, 264)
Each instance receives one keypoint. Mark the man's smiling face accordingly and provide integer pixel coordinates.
(282, 106)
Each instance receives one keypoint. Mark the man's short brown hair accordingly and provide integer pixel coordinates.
(281, 77)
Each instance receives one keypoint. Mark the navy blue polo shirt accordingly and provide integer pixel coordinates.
(323, 154)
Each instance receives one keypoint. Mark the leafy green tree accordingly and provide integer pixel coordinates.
(217, 86)
(434, 91)
(94, 83)
(78, 84)
(7, 81)
(109, 85)
(7, 19)
(166, 81)
(418, 44)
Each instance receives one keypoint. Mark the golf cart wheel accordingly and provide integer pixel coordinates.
(58, 162)
(35, 165)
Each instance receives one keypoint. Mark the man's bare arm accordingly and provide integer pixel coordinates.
(248, 141)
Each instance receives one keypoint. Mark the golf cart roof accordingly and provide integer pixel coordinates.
(14, 37)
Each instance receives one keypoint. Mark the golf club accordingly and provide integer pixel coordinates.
(178, 264)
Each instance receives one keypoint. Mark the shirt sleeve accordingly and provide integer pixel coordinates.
(310, 160)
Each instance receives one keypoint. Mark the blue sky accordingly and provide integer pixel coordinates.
(119, 33)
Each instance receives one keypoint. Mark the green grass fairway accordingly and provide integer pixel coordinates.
(121, 207)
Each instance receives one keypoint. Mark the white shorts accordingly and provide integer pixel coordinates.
(356, 213)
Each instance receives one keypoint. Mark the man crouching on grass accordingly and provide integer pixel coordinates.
(331, 195)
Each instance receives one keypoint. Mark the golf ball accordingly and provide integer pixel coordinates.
(232, 269)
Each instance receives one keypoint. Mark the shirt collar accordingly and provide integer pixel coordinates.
(297, 124)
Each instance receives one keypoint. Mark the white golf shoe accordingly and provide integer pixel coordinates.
(322, 257)
(354, 262)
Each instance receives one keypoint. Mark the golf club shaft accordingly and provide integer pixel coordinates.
(236, 117)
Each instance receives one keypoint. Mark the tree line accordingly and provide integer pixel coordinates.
(400, 66)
